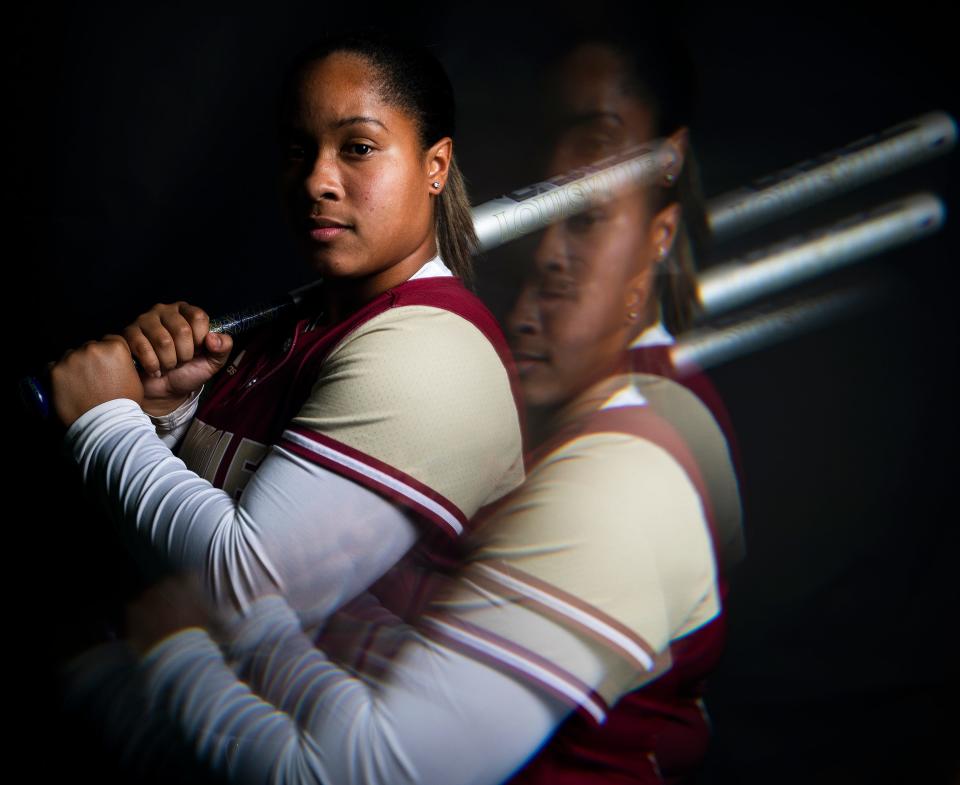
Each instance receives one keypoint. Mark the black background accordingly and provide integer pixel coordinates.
(141, 169)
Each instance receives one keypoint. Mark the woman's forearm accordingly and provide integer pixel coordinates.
(297, 528)
(438, 717)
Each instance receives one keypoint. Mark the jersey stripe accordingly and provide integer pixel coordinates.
(630, 645)
(369, 471)
(489, 646)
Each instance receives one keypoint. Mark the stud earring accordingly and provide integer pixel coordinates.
(436, 183)
(670, 177)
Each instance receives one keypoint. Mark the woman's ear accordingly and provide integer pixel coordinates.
(438, 160)
(663, 232)
(665, 224)
(637, 293)
(679, 140)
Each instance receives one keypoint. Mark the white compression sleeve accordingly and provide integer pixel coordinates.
(316, 536)
(172, 427)
(438, 718)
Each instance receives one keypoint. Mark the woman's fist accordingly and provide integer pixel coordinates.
(177, 351)
(98, 371)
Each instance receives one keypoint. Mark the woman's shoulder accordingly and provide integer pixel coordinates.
(448, 294)
(433, 316)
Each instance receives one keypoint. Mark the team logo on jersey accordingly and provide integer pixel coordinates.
(206, 449)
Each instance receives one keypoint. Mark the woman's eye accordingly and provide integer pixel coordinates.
(595, 141)
(584, 222)
(294, 152)
(594, 147)
(359, 149)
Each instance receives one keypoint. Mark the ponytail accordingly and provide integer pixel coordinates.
(456, 238)
(676, 281)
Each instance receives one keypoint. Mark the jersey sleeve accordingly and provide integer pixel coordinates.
(703, 435)
(605, 545)
(298, 528)
(416, 404)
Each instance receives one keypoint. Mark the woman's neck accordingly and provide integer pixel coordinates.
(543, 422)
(343, 296)
(649, 317)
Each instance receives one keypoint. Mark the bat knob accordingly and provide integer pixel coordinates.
(35, 396)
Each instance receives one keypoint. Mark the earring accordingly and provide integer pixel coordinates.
(632, 315)
(670, 177)
(436, 183)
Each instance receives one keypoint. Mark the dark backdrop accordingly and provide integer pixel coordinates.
(141, 169)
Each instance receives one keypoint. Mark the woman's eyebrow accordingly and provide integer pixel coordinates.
(359, 119)
(577, 119)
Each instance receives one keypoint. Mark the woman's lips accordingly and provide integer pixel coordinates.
(323, 230)
(327, 233)
(527, 361)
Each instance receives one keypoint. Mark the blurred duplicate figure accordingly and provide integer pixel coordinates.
(570, 642)
(644, 500)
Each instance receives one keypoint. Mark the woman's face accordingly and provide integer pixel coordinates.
(357, 184)
(588, 291)
(579, 304)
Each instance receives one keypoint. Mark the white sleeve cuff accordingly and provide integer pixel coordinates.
(169, 422)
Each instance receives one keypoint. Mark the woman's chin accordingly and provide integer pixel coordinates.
(539, 392)
(328, 264)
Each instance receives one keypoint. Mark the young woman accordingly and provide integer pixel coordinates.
(332, 443)
(591, 335)
(606, 95)
(593, 587)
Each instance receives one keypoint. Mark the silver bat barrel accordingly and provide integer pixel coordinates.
(810, 255)
(711, 346)
(537, 206)
(830, 174)
(533, 208)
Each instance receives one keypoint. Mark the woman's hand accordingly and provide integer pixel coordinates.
(177, 351)
(98, 371)
(175, 603)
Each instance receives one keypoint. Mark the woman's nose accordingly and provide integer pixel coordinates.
(524, 318)
(551, 251)
(324, 181)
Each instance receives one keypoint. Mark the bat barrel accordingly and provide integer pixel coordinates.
(806, 256)
(866, 160)
(536, 206)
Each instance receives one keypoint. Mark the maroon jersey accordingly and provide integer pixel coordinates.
(413, 395)
(658, 733)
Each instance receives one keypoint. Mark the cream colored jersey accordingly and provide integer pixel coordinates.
(416, 401)
(610, 537)
(411, 396)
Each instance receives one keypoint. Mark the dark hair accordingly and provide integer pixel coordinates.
(659, 71)
(412, 79)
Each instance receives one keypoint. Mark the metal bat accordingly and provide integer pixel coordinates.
(530, 209)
